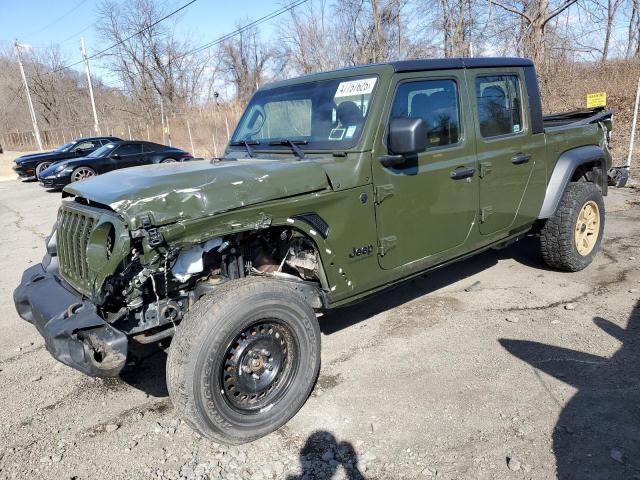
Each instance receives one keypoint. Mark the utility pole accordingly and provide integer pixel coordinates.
(162, 117)
(96, 125)
(32, 112)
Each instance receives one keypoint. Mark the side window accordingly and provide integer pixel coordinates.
(499, 105)
(436, 101)
(85, 146)
(130, 149)
(147, 149)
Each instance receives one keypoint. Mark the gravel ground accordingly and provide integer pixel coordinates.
(494, 368)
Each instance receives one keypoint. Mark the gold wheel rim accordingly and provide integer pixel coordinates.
(587, 228)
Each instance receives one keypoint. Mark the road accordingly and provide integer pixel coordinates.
(489, 369)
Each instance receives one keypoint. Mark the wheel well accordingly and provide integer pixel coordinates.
(282, 253)
(590, 172)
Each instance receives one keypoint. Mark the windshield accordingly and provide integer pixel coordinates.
(327, 114)
(65, 147)
(102, 151)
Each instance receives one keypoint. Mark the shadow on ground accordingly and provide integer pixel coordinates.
(597, 435)
(526, 252)
(322, 455)
(148, 370)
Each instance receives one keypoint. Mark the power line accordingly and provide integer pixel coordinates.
(146, 27)
(217, 41)
(238, 31)
(75, 35)
(73, 9)
(248, 26)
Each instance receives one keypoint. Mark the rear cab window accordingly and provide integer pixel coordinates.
(499, 103)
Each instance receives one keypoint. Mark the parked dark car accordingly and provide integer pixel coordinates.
(30, 166)
(113, 156)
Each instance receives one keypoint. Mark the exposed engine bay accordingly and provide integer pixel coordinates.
(150, 292)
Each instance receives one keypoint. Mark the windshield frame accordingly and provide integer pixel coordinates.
(66, 147)
(305, 143)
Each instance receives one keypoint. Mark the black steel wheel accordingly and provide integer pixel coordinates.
(258, 366)
(244, 360)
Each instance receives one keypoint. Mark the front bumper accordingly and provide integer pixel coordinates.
(24, 172)
(73, 331)
(55, 182)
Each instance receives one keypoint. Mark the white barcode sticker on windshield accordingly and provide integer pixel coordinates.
(363, 86)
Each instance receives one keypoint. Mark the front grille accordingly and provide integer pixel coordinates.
(74, 230)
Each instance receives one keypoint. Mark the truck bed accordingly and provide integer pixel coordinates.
(581, 116)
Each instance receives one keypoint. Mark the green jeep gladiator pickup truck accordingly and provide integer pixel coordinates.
(334, 186)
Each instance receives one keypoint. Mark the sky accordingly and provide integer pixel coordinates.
(40, 23)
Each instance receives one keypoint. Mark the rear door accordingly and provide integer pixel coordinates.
(504, 144)
(428, 204)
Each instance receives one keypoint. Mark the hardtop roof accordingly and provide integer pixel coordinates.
(417, 65)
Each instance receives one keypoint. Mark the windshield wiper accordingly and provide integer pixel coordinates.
(247, 144)
(293, 144)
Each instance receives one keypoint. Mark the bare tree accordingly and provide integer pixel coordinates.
(370, 30)
(534, 16)
(309, 40)
(612, 7)
(149, 59)
(244, 59)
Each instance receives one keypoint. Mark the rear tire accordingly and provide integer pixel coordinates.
(244, 360)
(168, 160)
(571, 238)
(41, 167)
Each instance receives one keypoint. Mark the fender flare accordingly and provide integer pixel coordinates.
(564, 169)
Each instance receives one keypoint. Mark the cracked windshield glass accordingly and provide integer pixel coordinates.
(327, 114)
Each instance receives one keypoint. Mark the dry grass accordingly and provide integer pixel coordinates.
(568, 86)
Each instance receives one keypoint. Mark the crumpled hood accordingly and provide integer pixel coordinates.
(181, 191)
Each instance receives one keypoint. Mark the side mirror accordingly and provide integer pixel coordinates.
(115, 156)
(407, 136)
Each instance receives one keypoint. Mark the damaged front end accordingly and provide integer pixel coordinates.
(103, 285)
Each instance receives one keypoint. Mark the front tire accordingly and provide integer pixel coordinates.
(41, 167)
(571, 238)
(244, 360)
(82, 173)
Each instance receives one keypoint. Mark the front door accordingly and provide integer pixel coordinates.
(504, 145)
(428, 204)
(128, 155)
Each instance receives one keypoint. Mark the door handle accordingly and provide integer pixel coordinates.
(520, 158)
(460, 173)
